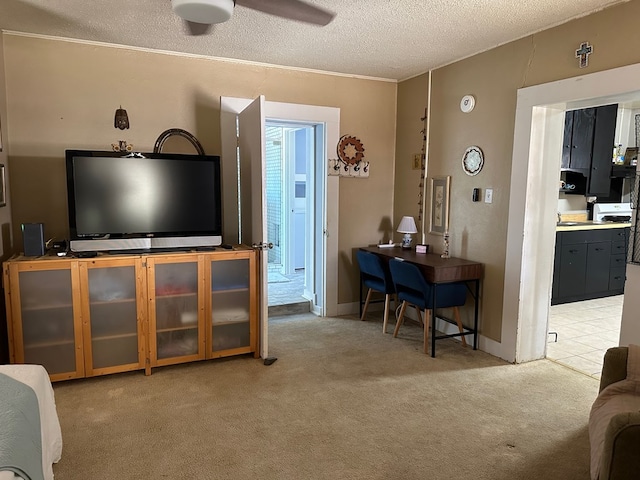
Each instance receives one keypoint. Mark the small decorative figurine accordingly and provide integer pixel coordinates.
(445, 244)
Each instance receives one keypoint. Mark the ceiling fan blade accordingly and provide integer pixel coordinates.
(291, 9)
(196, 29)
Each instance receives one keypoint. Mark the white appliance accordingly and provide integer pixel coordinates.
(612, 212)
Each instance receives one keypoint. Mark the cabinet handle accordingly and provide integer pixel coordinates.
(599, 249)
(573, 251)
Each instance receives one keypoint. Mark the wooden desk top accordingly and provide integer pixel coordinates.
(434, 268)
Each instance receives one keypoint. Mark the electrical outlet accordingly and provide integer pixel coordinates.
(488, 195)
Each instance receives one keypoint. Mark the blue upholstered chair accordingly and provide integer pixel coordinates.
(412, 289)
(375, 276)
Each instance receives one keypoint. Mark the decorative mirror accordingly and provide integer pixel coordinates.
(164, 136)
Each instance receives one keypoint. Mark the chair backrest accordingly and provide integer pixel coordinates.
(409, 283)
(374, 272)
(411, 286)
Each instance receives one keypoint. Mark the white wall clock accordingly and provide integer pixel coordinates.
(467, 103)
(472, 160)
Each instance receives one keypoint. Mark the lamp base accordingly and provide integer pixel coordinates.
(406, 241)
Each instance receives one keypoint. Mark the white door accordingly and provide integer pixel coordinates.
(299, 155)
(251, 142)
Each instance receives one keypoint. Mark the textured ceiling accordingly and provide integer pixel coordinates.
(392, 39)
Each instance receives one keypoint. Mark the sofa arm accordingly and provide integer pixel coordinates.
(620, 459)
(614, 368)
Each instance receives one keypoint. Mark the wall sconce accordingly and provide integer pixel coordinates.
(121, 119)
(407, 226)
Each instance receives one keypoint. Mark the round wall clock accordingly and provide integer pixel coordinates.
(467, 103)
(472, 160)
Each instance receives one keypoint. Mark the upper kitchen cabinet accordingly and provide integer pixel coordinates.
(578, 139)
(589, 136)
(599, 183)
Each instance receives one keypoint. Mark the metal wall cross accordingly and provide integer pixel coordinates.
(583, 54)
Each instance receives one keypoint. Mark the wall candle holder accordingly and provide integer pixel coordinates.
(445, 245)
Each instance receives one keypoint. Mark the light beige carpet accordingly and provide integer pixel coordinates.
(343, 401)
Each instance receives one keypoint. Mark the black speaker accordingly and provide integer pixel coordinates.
(33, 239)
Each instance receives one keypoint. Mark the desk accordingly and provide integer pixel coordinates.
(437, 270)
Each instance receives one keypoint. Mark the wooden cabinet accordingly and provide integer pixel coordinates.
(43, 316)
(113, 312)
(233, 293)
(589, 264)
(86, 317)
(587, 149)
(176, 309)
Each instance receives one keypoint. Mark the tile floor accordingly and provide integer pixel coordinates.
(585, 331)
(285, 289)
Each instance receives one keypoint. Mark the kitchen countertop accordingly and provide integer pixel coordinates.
(570, 226)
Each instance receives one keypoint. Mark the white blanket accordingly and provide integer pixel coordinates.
(38, 379)
(622, 396)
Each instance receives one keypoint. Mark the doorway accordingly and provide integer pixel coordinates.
(291, 212)
(533, 207)
(323, 245)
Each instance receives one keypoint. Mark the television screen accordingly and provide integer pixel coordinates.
(147, 195)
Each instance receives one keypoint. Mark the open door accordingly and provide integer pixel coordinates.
(253, 224)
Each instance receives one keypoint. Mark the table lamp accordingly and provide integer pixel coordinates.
(407, 226)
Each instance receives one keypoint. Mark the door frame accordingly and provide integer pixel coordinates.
(535, 169)
(326, 262)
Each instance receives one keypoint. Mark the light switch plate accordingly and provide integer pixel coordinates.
(488, 195)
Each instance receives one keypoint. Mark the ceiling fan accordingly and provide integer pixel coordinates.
(201, 14)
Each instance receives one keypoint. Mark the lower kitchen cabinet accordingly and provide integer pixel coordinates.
(81, 317)
(589, 264)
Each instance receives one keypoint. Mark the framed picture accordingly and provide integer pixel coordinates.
(3, 188)
(439, 222)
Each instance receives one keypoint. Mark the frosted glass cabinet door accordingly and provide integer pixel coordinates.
(113, 317)
(176, 310)
(230, 304)
(46, 310)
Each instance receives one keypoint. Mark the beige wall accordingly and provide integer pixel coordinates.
(63, 95)
(478, 230)
(5, 212)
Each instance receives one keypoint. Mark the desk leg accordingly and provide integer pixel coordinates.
(433, 322)
(360, 294)
(475, 315)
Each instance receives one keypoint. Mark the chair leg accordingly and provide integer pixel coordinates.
(366, 304)
(400, 319)
(419, 314)
(456, 315)
(387, 301)
(427, 322)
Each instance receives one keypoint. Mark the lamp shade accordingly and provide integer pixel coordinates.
(203, 11)
(407, 225)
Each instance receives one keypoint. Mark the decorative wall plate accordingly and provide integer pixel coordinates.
(350, 150)
(472, 160)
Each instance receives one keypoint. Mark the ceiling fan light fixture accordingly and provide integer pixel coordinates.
(203, 11)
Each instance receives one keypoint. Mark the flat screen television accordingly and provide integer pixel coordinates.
(143, 201)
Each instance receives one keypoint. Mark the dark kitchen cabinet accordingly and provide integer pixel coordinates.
(589, 264)
(597, 267)
(578, 139)
(587, 148)
(599, 184)
(573, 270)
